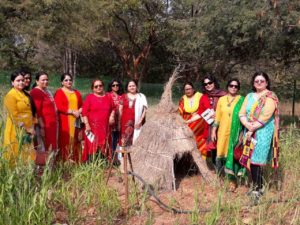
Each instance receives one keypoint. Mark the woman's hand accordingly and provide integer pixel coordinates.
(76, 113)
(249, 135)
(213, 135)
(138, 125)
(88, 127)
(111, 120)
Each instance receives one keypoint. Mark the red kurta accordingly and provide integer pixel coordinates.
(97, 110)
(67, 150)
(127, 121)
(47, 115)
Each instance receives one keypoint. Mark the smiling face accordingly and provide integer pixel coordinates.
(260, 83)
(209, 85)
(98, 87)
(132, 88)
(18, 83)
(189, 90)
(233, 87)
(27, 80)
(43, 81)
(67, 82)
(115, 86)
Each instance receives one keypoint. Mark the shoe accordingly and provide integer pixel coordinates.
(255, 197)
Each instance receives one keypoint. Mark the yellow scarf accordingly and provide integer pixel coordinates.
(186, 101)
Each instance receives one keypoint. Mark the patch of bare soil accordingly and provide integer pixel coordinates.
(191, 193)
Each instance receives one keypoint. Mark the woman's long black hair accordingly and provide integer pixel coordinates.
(121, 89)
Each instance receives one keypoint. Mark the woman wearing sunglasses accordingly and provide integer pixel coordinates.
(69, 103)
(97, 114)
(209, 100)
(115, 90)
(226, 130)
(259, 114)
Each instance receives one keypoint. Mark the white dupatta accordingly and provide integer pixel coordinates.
(140, 103)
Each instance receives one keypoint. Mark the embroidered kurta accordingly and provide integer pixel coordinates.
(47, 118)
(223, 120)
(97, 109)
(68, 142)
(19, 114)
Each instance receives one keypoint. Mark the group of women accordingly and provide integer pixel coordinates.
(235, 132)
(244, 131)
(38, 121)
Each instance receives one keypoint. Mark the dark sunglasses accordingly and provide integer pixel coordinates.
(233, 86)
(67, 80)
(97, 86)
(208, 83)
(115, 85)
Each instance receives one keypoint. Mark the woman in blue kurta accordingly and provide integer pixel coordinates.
(259, 114)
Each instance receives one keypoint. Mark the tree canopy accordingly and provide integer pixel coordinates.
(146, 38)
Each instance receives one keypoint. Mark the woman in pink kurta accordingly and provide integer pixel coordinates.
(47, 127)
(97, 111)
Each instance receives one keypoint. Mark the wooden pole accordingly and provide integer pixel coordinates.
(294, 101)
(126, 182)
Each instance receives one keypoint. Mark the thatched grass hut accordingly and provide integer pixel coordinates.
(164, 138)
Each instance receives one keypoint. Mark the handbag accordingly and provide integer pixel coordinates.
(238, 151)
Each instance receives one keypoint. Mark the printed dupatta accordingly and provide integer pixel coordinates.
(254, 115)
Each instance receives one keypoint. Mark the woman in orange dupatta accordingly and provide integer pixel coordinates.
(188, 105)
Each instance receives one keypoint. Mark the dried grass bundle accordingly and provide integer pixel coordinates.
(164, 137)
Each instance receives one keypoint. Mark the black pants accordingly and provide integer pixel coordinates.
(257, 177)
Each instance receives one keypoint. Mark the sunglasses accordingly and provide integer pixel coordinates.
(98, 86)
(208, 83)
(115, 85)
(67, 80)
(259, 81)
(233, 86)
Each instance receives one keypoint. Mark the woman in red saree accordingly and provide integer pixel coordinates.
(188, 105)
(69, 103)
(97, 111)
(47, 126)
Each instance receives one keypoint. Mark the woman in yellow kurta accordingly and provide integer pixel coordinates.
(19, 130)
(222, 125)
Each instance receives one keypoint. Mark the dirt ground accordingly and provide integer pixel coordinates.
(185, 198)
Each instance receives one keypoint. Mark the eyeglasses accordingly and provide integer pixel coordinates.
(115, 85)
(208, 83)
(67, 80)
(259, 81)
(98, 86)
(233, 86)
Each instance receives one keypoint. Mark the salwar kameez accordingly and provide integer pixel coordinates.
(97, 109)
(19, 118)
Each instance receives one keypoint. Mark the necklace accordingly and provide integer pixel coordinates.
(230, 102)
